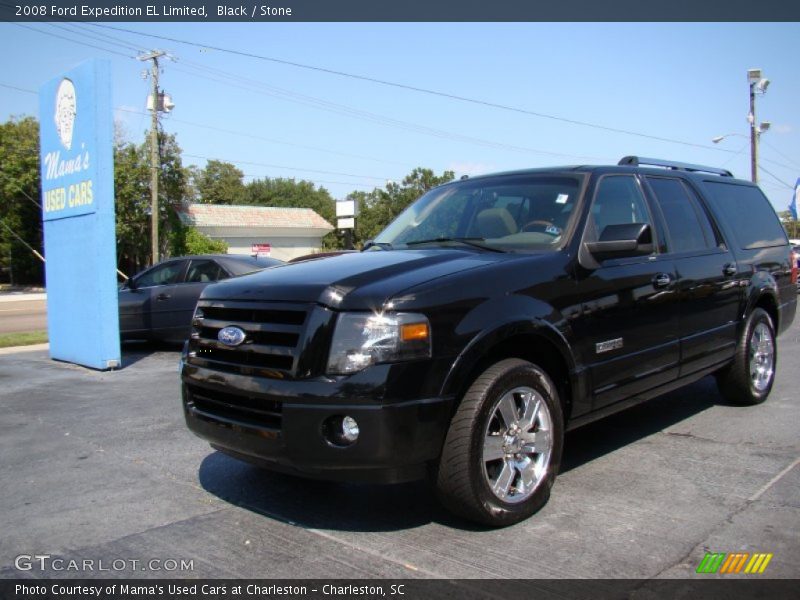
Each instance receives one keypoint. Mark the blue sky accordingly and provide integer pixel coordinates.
(680, 81)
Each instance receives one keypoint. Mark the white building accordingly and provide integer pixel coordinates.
(285, 232)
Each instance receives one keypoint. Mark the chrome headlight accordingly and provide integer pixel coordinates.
(364, 339)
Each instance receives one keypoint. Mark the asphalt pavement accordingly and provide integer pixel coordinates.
(100, 466)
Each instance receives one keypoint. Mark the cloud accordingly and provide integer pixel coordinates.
(782, 128)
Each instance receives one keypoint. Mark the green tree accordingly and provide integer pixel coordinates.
(219, 183)
(133, 201)
(791, 226)
(20, 196)
(188, 240)
(380, 206)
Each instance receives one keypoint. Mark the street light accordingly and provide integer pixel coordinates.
(765, 125)
(758, 85)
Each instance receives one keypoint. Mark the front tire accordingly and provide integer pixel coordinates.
(749, 379)
(503, 449)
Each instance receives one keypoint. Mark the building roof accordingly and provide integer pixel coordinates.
(220, 215)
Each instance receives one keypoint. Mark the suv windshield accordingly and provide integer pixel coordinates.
(515, 213)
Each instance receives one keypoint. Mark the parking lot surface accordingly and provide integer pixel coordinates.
(100, 466)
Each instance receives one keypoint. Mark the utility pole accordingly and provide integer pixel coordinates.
(758, 84)
(155, 164)
(753, 135)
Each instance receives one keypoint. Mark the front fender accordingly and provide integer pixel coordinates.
(493, 322)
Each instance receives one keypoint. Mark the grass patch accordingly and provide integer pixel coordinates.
(22, 339)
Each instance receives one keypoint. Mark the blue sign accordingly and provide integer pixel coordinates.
(77, 171)
(795, 199)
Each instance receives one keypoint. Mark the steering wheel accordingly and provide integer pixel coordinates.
(541, 225)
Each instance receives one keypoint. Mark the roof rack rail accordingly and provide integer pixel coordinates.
(636, 161)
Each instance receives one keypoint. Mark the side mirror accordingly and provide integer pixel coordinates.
(622, 240)
(130, 284)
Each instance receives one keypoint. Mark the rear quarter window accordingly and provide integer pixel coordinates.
(747, 213)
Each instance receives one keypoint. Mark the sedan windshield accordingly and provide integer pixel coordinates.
(515, 213)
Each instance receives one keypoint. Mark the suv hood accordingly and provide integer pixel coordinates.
(360, 281)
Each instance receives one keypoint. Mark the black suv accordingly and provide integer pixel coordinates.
(491, 316)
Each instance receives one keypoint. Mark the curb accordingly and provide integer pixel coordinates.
(19, 297)
(28, 348)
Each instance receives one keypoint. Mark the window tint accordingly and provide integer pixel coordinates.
(618, 201)
(748, 213)
(509, 213)
(204, 271)
(687, 228)
(161, 275)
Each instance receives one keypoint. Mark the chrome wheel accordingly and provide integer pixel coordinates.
(517, 445)
(762, 357)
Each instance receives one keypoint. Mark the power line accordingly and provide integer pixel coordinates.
(266, 139)
(342, 109)
(791, 187)
(19, 89)
(796, 165)
(26, 244)
(414, 88)
(357, 113)
(96, 35)
(24, 193)
(245, 162)
(387, 83)
(736, 155)
(71, 40)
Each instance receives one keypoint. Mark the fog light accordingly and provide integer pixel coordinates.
(340, 431)
(349, 429)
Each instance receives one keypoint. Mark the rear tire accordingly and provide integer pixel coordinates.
(503, 449)
(748, 380)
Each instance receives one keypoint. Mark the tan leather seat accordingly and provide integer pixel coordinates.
(495, 223)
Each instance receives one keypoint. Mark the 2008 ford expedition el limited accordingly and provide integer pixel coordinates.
(491, 316)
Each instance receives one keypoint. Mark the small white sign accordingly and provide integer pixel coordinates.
(348, 223)
(562, 198)
(346, 208)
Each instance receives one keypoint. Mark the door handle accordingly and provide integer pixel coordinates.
(163, 296)
(661, 280)
(729, 269)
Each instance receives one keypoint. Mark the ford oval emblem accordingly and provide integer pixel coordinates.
(231, 336)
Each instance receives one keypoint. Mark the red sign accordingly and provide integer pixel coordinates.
(261, 249)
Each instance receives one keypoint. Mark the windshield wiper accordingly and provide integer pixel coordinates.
(475, 242)
(381, 245)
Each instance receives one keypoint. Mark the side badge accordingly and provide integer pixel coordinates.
(608, 345)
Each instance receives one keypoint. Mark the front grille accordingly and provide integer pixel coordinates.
(264, 414)
(254, 315)
(271, 346)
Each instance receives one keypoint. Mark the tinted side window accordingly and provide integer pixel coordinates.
(748, 213)
(687, 228)
(161, 275)
(204, 271)
(618, 201)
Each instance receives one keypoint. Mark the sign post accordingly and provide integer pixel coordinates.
(346, 212)
(260, 249)
(77, 171)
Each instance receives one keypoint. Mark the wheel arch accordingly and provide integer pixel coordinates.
(764, 296)
(534, 341)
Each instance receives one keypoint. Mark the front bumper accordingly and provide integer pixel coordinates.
(279, 424)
